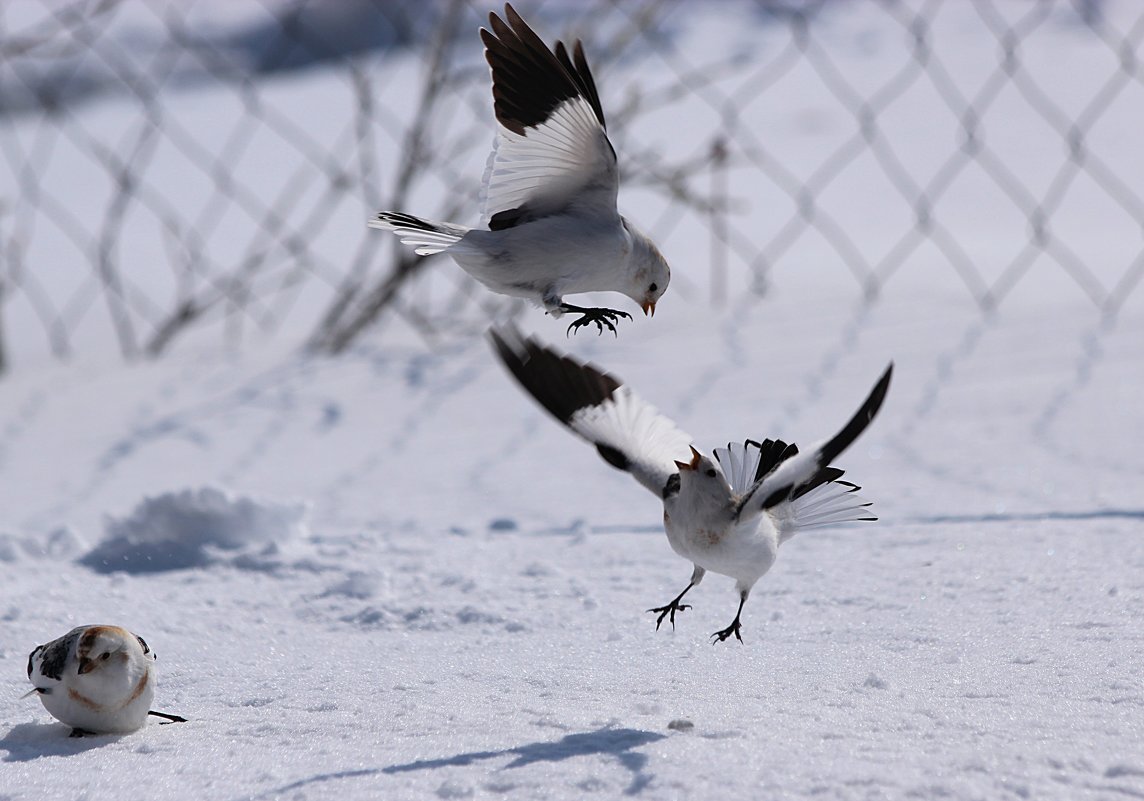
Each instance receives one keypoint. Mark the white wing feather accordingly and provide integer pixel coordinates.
(648, 440)
(566, 160)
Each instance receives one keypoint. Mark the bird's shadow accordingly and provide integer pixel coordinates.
(27, 741)
(618, 743)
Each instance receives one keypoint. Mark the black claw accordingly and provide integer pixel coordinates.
(725, 634)
(668, 612)
(602, 318)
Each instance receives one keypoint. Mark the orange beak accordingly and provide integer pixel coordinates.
(85, 665)
(695, 457)
(648, 307)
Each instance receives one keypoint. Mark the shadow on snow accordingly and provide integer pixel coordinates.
(618, 743)
(28, 741)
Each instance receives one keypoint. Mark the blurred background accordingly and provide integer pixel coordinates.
(180, 171)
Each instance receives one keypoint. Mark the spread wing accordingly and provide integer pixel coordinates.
(551, 149)
(788, 474)
(628, 433)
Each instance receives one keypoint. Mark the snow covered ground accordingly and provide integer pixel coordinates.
(389, 575)
(462, 610)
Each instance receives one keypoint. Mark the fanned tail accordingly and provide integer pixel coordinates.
(822, 501)
(829, 503)
(426, 236)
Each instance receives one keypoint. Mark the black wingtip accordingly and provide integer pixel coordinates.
(531, 80)
(777, 451)
(503, 350)
(561, 384)
(861, 419)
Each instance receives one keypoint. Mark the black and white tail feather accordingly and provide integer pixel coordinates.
(823, 504)
(426, 236)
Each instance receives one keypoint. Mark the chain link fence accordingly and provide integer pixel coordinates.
(174, 170)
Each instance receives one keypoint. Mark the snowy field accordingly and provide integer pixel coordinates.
(389, 575)
(459, 611)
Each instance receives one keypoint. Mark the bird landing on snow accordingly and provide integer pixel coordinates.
(728, 514)
(96, 679)
(549, 224)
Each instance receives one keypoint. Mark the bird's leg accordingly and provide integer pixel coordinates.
(603, 318)
(675, 605)
(81, 733)
(723, 634)
(169, 718)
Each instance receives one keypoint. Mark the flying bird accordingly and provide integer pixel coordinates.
(549, 225)
(729, 514)
(96, 679)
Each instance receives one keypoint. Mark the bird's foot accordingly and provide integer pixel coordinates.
(81, 733)
(668, 612)
(169, 718)
(724, 634)
(601, 317)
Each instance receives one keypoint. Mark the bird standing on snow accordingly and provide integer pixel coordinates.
(548, 211)
(96, 679)
(729, 517)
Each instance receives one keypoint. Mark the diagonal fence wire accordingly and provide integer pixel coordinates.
(193, 170)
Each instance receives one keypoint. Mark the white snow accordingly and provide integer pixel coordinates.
(194, 528)
(465, 615)
(389, 575)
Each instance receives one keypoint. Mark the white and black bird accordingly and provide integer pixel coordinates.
(96, 679)
(549, 225)
(728, 515)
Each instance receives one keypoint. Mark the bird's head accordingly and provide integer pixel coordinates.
(703, 476)
(102, 648)
(648, 273)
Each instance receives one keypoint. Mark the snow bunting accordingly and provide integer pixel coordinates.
(728, 514)
(549, 225)
(96, 679)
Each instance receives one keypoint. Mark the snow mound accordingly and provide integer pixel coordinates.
(195, 528)
(63, 543)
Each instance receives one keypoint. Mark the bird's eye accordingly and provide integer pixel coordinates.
(105, 656)
(711, 473)
(652, 288)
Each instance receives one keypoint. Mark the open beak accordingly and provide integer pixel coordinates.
(648, 307)
(86, 665)
(695, 457)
